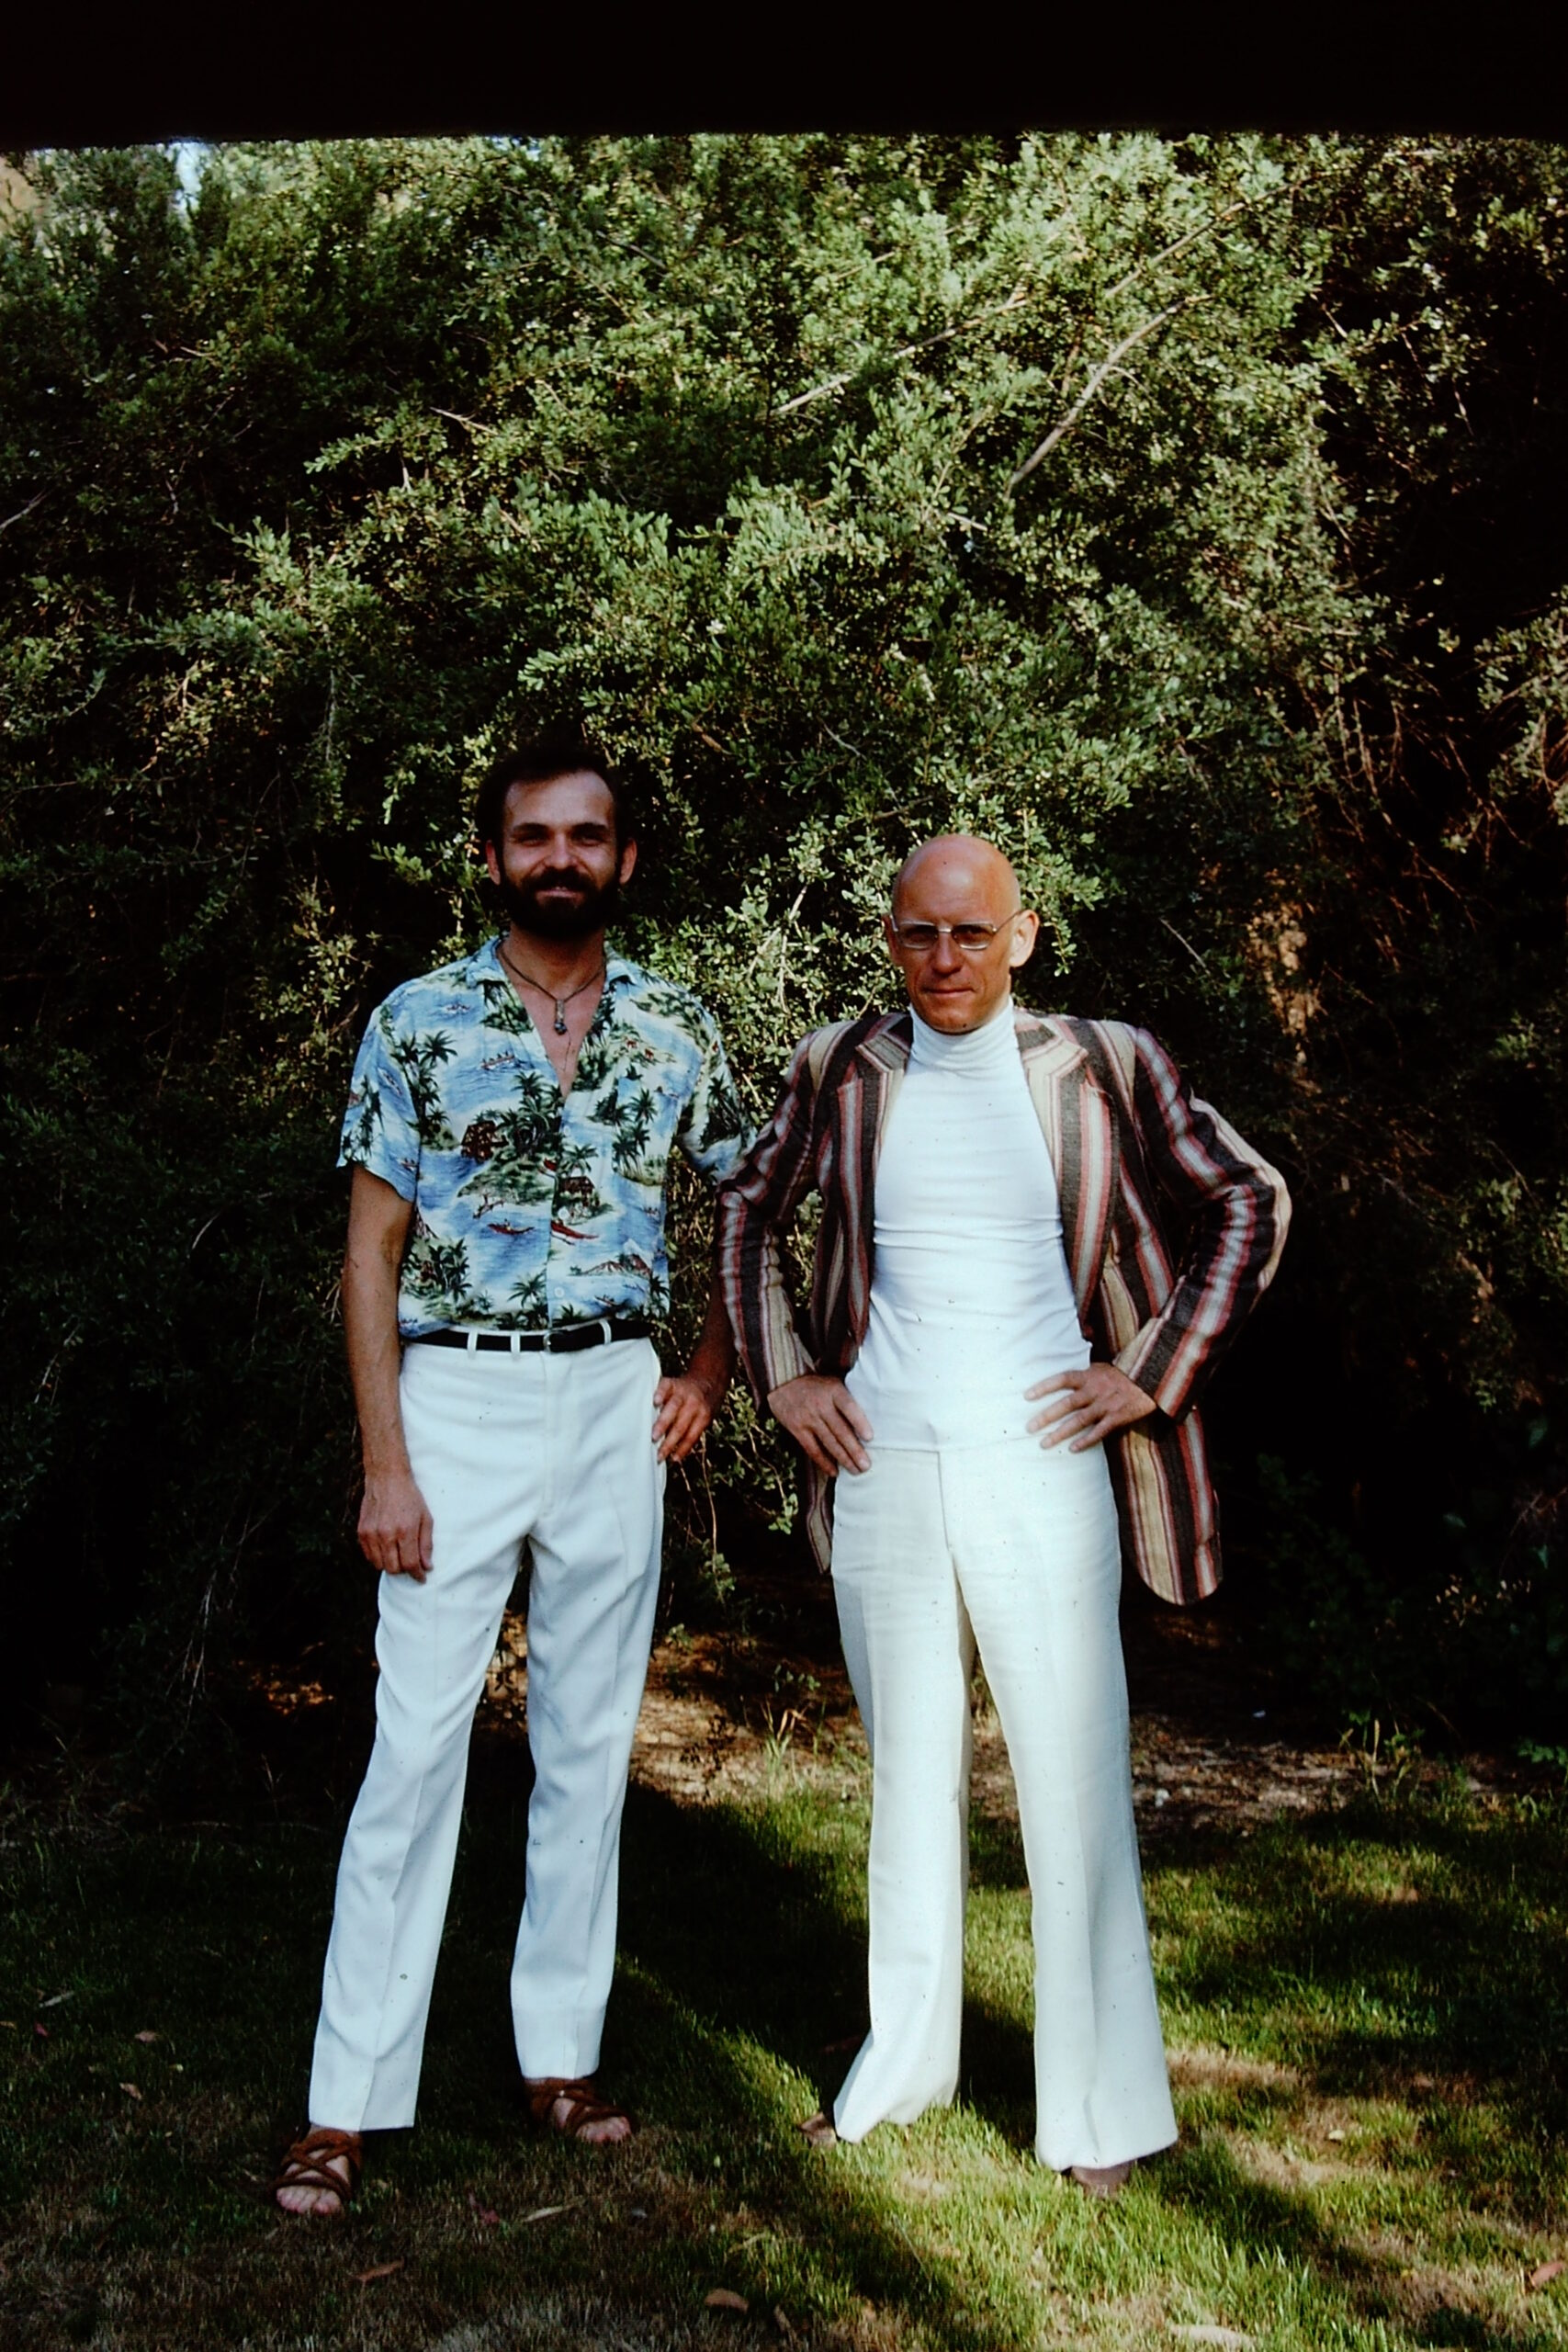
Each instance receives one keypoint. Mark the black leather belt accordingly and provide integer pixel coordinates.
(567, 1339)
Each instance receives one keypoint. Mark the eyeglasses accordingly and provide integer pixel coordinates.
(969, 938)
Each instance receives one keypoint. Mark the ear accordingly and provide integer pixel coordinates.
(1025, 932)
(493, 862)
(627, 863)
(890, 938)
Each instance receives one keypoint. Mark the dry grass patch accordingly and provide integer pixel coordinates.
(1199, 2068)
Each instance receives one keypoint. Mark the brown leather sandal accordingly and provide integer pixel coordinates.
(305, 2166)
(586, 2106)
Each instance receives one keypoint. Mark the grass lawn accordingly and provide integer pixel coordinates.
(1365, 2010)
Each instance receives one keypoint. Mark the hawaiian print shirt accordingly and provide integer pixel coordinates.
(531, 1209)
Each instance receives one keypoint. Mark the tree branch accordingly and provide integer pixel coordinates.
(1202, 961)
(1088, 391)
(1168, 253)
(1018, 298)
(1015, 301)
(22, 511)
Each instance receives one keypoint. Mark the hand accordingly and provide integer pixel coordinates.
(683, 1406)
(1088, 1407)
(824, 1420)
(395, 1528)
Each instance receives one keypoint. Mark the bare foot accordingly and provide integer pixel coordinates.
(1102, 2180)
(598, 2133)
(319, 2173)
(576, 2111)
(817, 2131)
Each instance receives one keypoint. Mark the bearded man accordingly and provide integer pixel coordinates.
(996, 1379)
(509, 1129)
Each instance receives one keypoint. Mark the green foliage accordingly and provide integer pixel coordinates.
(330, 478)
(1338, 1625)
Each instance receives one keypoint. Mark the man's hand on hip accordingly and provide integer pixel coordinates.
(824, 1420)
(395, 1528)
(1088, 1407)
(683, 1406)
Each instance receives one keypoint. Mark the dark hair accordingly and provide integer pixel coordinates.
(560, 751)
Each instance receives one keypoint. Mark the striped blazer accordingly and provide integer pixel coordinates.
(1128, 1142)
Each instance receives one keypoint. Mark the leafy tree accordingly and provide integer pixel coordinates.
(1182, 514)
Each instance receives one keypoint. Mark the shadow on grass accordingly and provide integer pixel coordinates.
(1376, 1945)
(134, 2168)
(742, 1969)
(735, 1942)
(140, 2220)
(1263, 2226)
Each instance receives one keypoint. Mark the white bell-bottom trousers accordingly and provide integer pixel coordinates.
(556, 1450)
(1016, 1548)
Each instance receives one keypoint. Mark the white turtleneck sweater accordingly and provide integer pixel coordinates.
(971, 1302)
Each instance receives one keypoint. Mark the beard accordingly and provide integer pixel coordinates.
(574, 919)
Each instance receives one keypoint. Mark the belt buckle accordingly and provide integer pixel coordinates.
(573, 1338)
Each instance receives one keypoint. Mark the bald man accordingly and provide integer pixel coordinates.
(992, 1387)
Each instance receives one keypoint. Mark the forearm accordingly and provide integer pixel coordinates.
(713, 1358)
(395, 1530)
(1176, 1351)
(370, 1332)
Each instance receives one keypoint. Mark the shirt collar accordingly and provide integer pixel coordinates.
(618, 973)
(988, 1046)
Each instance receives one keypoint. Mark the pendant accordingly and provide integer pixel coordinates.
(561, 1018)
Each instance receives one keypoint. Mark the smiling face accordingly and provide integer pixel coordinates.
(560, 865)
(953, 880)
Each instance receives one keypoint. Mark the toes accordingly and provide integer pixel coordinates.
(309, 2201)
(601, 2133)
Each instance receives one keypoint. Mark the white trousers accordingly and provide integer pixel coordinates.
(556, 1450)
(1018, 1549)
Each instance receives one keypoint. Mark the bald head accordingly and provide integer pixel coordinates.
(963, 862)
(957, 931)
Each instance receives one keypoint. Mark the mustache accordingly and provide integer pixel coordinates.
(586, 910)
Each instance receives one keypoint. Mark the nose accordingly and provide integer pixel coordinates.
(944, 956)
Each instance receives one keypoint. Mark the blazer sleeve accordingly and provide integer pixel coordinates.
(1241, 1213)
(754, 1208)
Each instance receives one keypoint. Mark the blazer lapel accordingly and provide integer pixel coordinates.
(1080, 1136)
(883, 1057)
(881, 1060)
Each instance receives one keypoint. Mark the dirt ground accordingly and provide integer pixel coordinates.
(1214, 1740)
(1219, 1739)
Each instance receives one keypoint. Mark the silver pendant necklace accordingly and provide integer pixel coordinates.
(560, 1002)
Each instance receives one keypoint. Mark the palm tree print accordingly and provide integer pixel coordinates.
(419, 1059)
(524, 1137)
(534, 1208)
(437, 1271)
(577, 1196)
